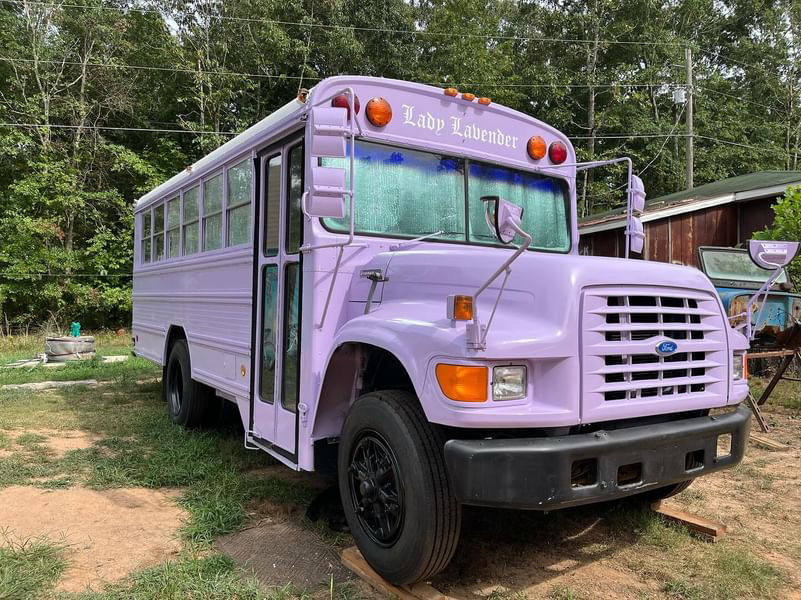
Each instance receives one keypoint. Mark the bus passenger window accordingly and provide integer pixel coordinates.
(173, 227)
(146, 241)
(272, 186)
(212, 213)
(290, 377)
(191, 212)
(238, 206)
(158, 232)
(294, 221)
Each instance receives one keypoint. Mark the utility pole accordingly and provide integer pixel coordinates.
(688, 56)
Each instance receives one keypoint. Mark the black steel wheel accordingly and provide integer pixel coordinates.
(188, 401)
(376, 488)
(394, 487)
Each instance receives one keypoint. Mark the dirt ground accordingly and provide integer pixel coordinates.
(107, 533)
(614, 550)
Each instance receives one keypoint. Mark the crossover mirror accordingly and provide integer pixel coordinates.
(772, 255)
(503, 217)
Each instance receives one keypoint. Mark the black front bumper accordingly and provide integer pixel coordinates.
(540, 473)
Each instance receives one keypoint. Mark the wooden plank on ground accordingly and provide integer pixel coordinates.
(767, 443)
(710, 529)
(353, 560)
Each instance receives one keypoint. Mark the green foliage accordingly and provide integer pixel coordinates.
(787, 225)
(69, 179)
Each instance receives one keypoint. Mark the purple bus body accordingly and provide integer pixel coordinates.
(552, 316)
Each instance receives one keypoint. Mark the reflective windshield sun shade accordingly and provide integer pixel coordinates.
(544, 202)
(403, 192)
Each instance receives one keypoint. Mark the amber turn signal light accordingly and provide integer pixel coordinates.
(463, 383)
(468, 96)
(484, 101)
(379, 112)
(536, 147)
(460, 308)
(451, 92)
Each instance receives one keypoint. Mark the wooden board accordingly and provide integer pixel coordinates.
(353, 560)
(767, 443)
(709, 529)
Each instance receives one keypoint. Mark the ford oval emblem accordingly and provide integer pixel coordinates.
(666, 348)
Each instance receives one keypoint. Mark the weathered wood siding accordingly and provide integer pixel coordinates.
(676, 239)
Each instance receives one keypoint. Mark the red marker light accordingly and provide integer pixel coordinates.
(557, 153)
(341, 101)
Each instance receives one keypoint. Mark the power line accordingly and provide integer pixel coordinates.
(605, 85)
(738, 98)
(108, 128)
(613, 136)
(741, 145)
(354, 28)
(62, 275)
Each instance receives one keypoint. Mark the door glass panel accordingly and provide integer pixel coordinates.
(269, 314)
(290, 377)
(294, 222)
(272, 186)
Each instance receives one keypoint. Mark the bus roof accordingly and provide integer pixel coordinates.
(230, 149)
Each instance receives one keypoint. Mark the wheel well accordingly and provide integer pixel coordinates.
(174, 333)
(355, 369)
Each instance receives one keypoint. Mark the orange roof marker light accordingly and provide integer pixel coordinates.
(468, 96)
(379, 112)
(484, 101)
(451, 92)
(536, 147)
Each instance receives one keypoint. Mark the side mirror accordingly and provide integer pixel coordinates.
(503, 217)
(772, 255)
(325, 196)
(327, 193)
(637, 194)
(636, 235)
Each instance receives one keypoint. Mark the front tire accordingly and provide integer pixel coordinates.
(188, 401)
(394, 487)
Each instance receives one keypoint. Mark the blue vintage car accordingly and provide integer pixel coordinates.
(736, 278)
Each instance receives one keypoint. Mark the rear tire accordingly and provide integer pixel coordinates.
(394, 487)
(188, 401)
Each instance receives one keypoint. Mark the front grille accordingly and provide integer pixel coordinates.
(621, 331)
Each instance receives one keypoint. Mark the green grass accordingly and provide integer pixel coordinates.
(729, 573)
(29, 568)
(786, 393)
(138, 447)
(562, 592)
(191, 577)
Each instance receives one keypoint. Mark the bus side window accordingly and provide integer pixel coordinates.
(173, 227)
(158, 232)
(239, 181)
(191, 213)
(212, 213)
(291, 344)
(146, 232)
(272, 186)
(294, 221)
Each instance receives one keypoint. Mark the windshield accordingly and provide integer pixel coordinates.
(408, 193)
(735, 266)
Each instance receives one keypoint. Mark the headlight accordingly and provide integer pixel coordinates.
(509, 383)
(739, 365)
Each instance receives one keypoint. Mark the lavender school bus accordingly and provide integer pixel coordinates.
(384, 278)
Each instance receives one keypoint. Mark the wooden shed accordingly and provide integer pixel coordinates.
(721, 213)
